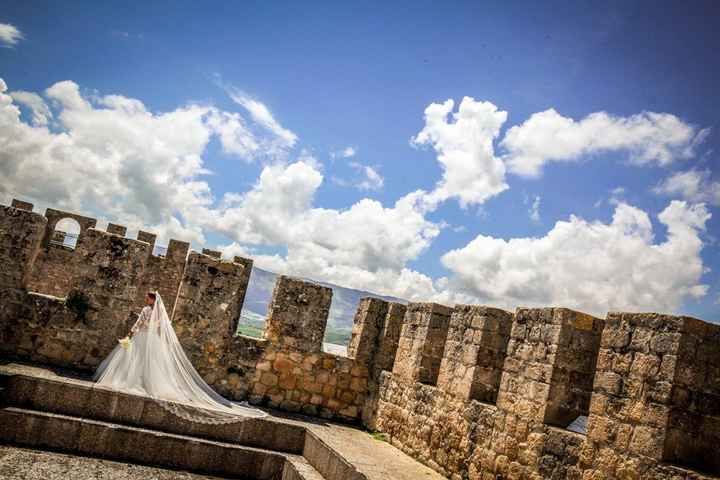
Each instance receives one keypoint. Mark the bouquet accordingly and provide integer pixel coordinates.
(125, 343)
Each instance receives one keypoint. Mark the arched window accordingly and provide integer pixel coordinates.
(66, 233)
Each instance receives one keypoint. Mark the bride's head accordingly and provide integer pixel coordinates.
(150, 298)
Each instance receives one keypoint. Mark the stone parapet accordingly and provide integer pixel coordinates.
(474, 392)
(422, 342)
(475, 352)
(115, 229)
(298, 314)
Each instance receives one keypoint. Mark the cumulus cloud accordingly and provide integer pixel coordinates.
(145, 169)
(692, 185)
(116, 157)
(591, 266)
(648, 137)
(9, 35)
(365, 246)
(41, 113)
(464, 144)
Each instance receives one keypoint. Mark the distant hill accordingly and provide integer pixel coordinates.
(342, 310)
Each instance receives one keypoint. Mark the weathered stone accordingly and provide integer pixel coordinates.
(297, 314)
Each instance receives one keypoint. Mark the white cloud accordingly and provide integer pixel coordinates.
(591, 266)
(692, 185)
(534, 211)
(371, 179)
(647, 137)
(260, 113)
(144, 169)
(347, 152)
(41, 114)
(9, 35)
(273, 263)
(234, 135)
(365, 246)
(116, 157)
(464, 146)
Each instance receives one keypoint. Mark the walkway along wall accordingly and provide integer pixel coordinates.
(473, 391)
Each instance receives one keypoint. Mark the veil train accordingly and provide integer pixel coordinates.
(154, 365)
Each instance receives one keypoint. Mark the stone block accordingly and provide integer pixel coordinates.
(22, 205)
(115, 229)
(147, 237)
(21, 232)
(475, 352)
(422, 342)
(297, 315)
(548, 372)
(212, 253)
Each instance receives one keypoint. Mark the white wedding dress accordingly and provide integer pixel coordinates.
(154, 365)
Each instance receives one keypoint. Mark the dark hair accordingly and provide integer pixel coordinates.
(152, 295)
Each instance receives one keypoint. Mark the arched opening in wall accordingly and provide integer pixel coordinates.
(66, 233)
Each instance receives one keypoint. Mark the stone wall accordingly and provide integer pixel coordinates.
(164, 274)
(474, 392)
(648, 382)
(208, 302)
(656, 395)
(474, 352)
(422, 341)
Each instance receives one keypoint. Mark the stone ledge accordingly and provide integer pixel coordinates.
(137, 445)
(80, 398)
(335, 451)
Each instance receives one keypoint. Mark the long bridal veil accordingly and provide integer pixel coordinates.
(156, 366)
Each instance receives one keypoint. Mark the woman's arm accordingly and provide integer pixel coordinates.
(141, 321)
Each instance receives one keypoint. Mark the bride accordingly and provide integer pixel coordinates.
(151, 362)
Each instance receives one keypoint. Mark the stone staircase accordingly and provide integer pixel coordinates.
(70, 416)
(42, 410)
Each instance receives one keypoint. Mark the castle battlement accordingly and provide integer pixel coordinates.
(473, 391)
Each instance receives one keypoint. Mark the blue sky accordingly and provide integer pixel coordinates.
(311, 80)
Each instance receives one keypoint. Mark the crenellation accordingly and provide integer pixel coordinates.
(550, 363)
(208, 302)
(164, 274)
(475, 352)
(54, 216)
(472, 391)
(656, 391)
(110, 270)
(115, 229)
(298, 314)
(422, 342)
(22, 205)
(147, 237)
(368, 322)
(212, 253)
(21, 232)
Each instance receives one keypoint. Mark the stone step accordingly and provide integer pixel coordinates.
(313, 448)
(79, 398)
(93, 438)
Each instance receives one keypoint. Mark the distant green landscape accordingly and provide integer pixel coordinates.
(253, 327)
